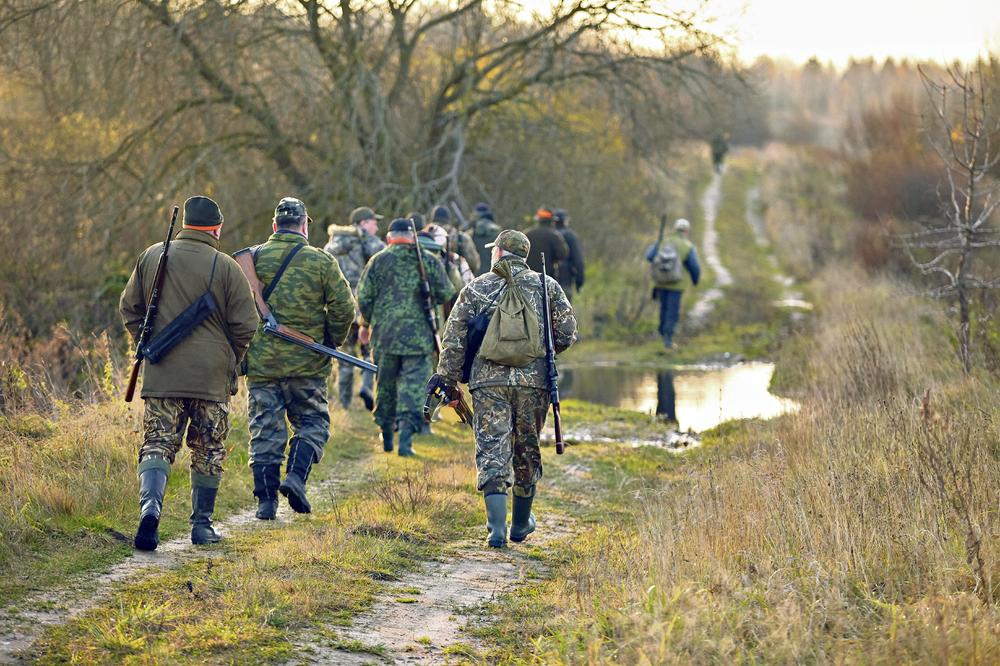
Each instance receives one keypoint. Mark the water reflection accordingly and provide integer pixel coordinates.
(694, 399)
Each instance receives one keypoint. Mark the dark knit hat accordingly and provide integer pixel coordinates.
(418, 220)
(560, 215)
(400, 224)
(482, 208)
(440, 214)
(543, 215)
(202, 213)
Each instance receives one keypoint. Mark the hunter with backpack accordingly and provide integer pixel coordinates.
(668, 259)
(508, 376)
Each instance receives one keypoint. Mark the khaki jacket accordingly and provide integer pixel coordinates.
(203, 364)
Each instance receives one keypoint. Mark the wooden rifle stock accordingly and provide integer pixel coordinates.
(271, 326)
(151, 309)
(550, 361)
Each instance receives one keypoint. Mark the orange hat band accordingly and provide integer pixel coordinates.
(198, 227)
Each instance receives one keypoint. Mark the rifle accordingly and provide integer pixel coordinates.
(425, 291)
(443, 394)
(450, 303)
(271, 326)
(550, 361)
(151, 309)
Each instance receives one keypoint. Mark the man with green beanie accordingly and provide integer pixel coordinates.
(389, 298)
(305, 291)
(510, 403)
(189, 388)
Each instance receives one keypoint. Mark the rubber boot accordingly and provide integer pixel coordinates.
(522, 521)
(152, 484)
(202, 507)
(266, 479)
(387, 435)
(406, 440)
(496, 519)
(366, 393)
(300, 461)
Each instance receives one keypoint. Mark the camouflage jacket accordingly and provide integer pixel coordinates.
(484, 231)
(482, 294)
(312, 297)
(352, 248)
(389, 299)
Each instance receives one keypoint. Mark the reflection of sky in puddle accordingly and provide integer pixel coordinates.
(700, 399)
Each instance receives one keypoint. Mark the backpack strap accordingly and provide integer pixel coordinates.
(281, 270)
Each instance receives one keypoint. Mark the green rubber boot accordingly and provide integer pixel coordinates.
(496, 519)
(152, 484)
(406, 440)
(522, 521)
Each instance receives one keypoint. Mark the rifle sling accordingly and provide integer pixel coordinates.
(281, 269)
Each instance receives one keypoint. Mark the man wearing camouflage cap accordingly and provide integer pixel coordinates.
(352, 246)
(284, 379)
(189, 389)
(510, 403)
(402, 339)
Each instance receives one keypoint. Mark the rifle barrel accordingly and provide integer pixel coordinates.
(149, 321)
(550, 361)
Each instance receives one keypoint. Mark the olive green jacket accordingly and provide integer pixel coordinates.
(203, 364)
(312, 297)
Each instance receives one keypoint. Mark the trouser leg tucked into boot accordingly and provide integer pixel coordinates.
(152, 484)
(522, 521)
(266, 479)
(387, 435)
(300, 461)
(406, 433)
(202, 508)
(496, 519)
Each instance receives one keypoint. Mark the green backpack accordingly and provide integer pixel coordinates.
(514, 335)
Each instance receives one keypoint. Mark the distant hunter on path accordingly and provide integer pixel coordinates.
(668, 259)
(546, 240)
(510, 395)
(352, 246)
(390, 300)
(189, 386)
(307, 292)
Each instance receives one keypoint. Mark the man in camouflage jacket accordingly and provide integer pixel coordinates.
(352, 246)
(402, 339)
(284, 379)
(189, 389)
(510, 403)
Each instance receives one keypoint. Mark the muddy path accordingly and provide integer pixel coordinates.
(425, 617)
(23, 623)
(710, 202)
(791, 297)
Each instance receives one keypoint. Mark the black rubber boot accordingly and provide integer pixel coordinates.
(522, 521)
(406, 433)
(266, 479)
(202, 507)
(366, 397)
(152, 484)
(300, 461)
(387, 435)
(496, 519)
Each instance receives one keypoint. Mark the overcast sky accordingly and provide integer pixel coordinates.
(835, 30)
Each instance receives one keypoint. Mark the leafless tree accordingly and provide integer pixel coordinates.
(964, 128)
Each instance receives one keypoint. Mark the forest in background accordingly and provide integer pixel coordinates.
(113, 111)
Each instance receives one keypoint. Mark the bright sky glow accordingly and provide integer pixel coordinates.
(835, 31)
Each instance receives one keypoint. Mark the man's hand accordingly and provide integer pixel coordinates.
(364, 334)
(443, 393)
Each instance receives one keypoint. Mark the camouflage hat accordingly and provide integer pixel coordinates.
(362, 214)
(289, 207)
(513, 241)
(202, 212)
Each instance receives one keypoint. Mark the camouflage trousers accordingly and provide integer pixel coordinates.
(345, 371)
(300, 400)
(507, 423)
(402, 381)
(164, 422)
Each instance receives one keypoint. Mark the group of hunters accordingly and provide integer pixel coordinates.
(278, 311)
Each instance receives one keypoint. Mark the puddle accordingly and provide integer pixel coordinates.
(696, 400)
